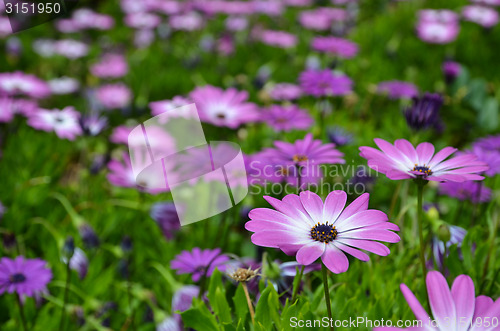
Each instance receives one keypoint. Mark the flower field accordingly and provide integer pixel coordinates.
(250, 165)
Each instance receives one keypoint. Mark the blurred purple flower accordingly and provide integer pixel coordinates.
(236, 23)
(223, 107)
(165, 215)
(110, 66)
(279, 39)
(424, 112)
(160, 107)
(18, 83)
(451, 70)
(335, 46)
(285, 92)
(489, 156)
(287, 118)
(199, 262)
(182, 300)
(396, 89)
(321, 83)
(65, 122)
(93, 124)
(63, 85)
(188, 22)
(89, 237)
(78, 262)
(26, 277)
(339, 136)
(438, 26)
(440, 249)
(473, 191)
(114, 96)
(482, 15)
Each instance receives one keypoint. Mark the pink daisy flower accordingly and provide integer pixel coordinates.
(223, 107)
(325, 83)
(285, 92)
(442, 30)
(110, 66)
(453, 310)
(396, 89)
(402, 161)
(160, 107)
(65, 123)
(310, 228)
(280, 39)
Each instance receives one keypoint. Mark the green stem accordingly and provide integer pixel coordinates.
(420, 220)
(327, 294)
(21, 312)
(296, 289)
(65, 298)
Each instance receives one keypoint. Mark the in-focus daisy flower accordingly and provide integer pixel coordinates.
(339, 136)
(305, 226)
(396, 89)
(65, 123)
(440, 249)
(472, 191)
(110, 66)
(287, 118)
(438, 26)
(26, 277)
(223, 107)
(63, 85)
(402, 161)
(114, 96)
(285, 92)
(451, 70)
(452, 310)
(199, 262)
(165, 215)
(280, 39)
(424, 111)
(321, 83)
(484, 16)
(340, 47)
(18, 83)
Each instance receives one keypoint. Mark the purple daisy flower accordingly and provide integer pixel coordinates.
(438, 26)
(475, 192)
(305, 226)
(65, 123)
(339, 136)
(490, 143)
(78, 262)
(452, 310)
(396, 89)
(224, 107)
(279, 39)
(19, 83)
(114, 96)
(26, 277)
(482, 15)
(199, 262)
(336, 46)
(320, 83)
(287, 118)
(490, 157)
(285, 92)
(63, 85)
(165, 215)
(424, 112)
(402, 161)
(9, 107)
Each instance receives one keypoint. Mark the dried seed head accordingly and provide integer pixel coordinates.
(244, 275)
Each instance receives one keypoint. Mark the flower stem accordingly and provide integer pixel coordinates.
(65, 298)
(296, 289)
(249, 302)
(21, 312)
(420, 220)
(327, 294)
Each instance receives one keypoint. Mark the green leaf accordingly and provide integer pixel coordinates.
(267, 308)
(488, 114)
(286, 315)
(199, 318)
(240, 304)
(221, 307)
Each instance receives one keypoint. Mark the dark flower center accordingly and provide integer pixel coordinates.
(426, 171)
(299, 158)
(59, 119)
(220, 116)
(17, 278)
(324, 232)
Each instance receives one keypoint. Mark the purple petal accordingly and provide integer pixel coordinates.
(335, 260)
(441, 301)
(310, 252)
